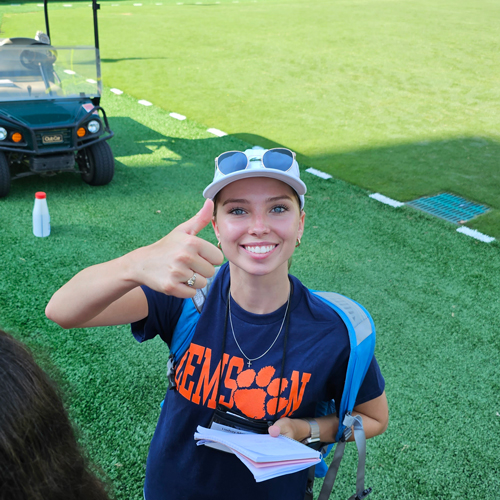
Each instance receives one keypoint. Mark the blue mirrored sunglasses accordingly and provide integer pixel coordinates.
(234, 161)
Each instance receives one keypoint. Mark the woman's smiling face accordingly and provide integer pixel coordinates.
(258, 222)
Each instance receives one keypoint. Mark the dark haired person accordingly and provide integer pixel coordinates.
(39, 456)
(238, 356)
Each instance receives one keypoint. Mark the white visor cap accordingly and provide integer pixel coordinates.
(256, 168)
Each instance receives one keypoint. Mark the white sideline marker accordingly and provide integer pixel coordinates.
(117, 91)
(318, 173)
(70, 72)
(145, 103)
(67, 5)
(217, 132)
(90, 80)
(177, 116)
(386, 200)
(137, 4)
(475, 234)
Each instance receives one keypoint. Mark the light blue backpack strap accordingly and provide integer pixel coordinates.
(186, 326)
(361, 331)
(184, 330)
(181, 338)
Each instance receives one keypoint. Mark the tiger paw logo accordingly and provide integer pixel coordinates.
(257, 393)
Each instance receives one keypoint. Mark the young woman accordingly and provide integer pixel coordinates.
(264, 346)
(39, 456)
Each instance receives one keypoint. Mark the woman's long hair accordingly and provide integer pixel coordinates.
(39, 455)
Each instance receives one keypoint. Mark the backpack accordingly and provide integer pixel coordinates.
(362, 343)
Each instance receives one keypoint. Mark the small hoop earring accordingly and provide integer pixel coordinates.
(297, 245)
(219, 246)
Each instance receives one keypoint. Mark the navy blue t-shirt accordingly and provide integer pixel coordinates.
(316, 359)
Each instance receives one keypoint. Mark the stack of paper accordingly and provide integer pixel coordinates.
(265, 456)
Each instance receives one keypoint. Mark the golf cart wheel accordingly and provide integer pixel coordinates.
(4, 176)
(97, 164)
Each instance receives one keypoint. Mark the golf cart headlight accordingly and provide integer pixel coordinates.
(3, 133)
(93, 126)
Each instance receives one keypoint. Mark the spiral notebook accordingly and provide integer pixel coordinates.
(265, 456)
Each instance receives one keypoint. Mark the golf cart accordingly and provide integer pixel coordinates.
(50, 117)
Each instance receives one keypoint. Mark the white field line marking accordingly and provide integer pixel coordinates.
(386, 200)
(70, 72)
(177, 116)
(217, 132)
(319, 173)
(137, 4)
(67, 5)
(145, 103)
(90, 80)
(475, 234)
(117, 91)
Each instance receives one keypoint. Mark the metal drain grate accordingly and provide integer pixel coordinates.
(449, 207)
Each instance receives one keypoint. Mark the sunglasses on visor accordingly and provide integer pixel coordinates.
(234, 161)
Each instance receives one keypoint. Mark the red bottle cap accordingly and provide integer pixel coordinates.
(40, 195)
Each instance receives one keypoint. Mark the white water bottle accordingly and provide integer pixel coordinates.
(41, 217)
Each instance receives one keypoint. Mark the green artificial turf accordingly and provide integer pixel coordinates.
(397, 97)
(434, 295)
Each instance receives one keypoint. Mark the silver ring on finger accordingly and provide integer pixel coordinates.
(191, 281)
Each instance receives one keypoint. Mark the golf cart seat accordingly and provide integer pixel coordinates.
(20, 40)
(21, 57)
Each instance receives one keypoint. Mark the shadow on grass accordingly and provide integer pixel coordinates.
(466, 166)
(142, 140)
(153, 160)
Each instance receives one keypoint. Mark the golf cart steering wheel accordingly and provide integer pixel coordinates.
(32, 58)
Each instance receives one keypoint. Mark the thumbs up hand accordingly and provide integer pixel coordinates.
(167, 265)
